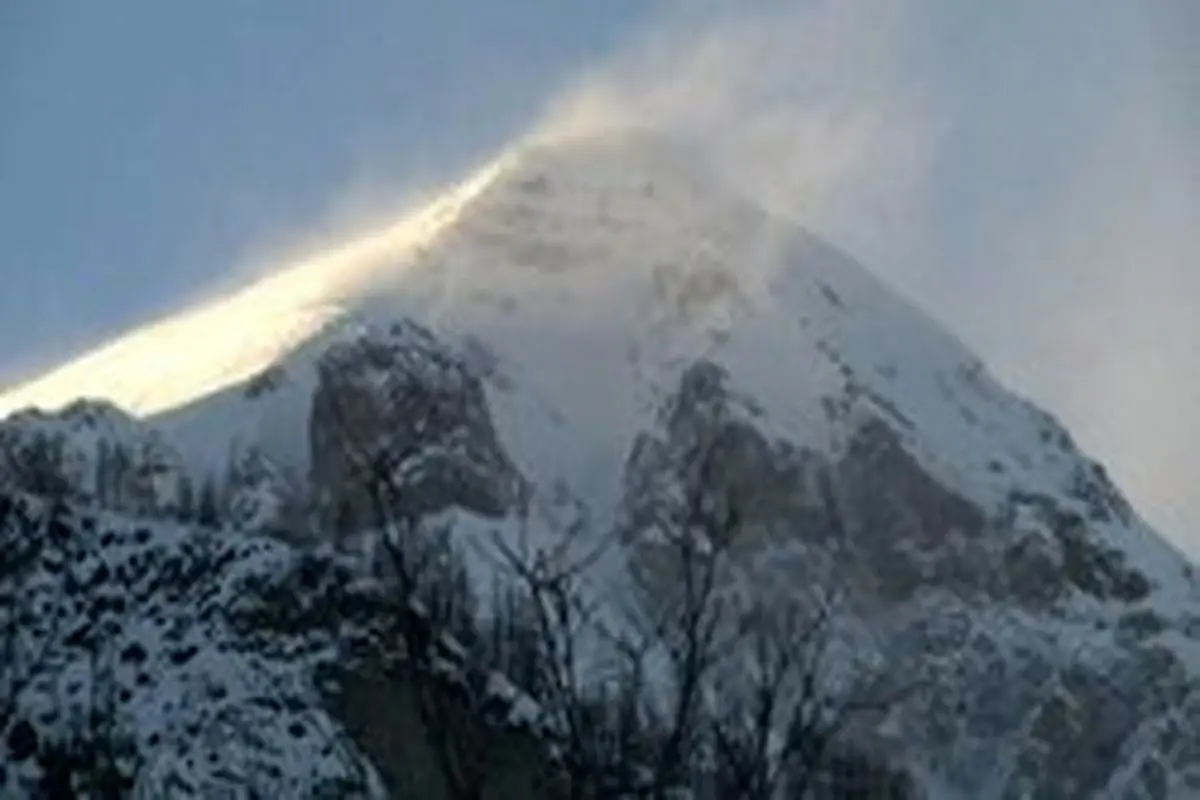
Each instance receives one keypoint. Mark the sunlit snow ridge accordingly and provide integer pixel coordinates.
(168, 363)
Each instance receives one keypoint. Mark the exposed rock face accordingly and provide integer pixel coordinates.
(901, 525)
(91, 451)
(1036, 671)
(760, 497)
(398, 413)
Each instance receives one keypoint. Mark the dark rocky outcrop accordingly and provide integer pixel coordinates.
(400, 411)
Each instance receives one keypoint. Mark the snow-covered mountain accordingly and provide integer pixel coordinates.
(572, 321)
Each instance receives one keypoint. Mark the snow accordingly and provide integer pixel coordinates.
(593, 270)
(585, 276)
(203, 705)
(231, 339)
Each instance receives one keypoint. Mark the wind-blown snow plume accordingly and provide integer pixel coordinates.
(809, 107)
(190, 353)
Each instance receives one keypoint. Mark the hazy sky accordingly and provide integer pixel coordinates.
(1028, 170)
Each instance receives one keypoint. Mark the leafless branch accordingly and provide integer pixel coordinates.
(772, 730)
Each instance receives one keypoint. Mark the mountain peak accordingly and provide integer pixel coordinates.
(588, 187)
(593, 327)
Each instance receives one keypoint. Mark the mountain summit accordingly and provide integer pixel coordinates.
(573, 319)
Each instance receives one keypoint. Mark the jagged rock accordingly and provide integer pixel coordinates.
(399, 414)
(707, 453)
(967, 606)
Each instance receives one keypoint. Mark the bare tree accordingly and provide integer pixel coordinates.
(746, 711)
(777, 733)
(606, 734)
(594, 723)
(432, 604)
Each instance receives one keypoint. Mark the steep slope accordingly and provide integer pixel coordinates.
(584, 312)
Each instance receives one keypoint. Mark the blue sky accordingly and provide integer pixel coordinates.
(144, 146)
(1028, 170)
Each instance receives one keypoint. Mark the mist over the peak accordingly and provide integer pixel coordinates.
(1028, 173)
(798, 104)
